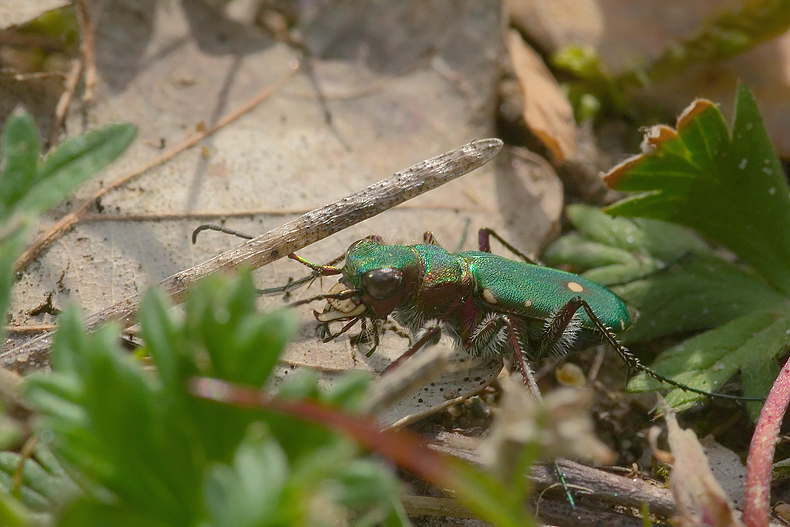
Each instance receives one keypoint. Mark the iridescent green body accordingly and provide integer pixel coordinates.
(489, 304)
(477, 296)
(536, 291)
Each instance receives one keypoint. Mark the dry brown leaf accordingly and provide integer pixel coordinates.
(547, 111)
(554, 24)
(699, 498)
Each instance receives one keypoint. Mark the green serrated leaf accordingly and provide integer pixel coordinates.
(145, 445)
(618, 250)
(579, 251)
(20, 150)
(48, 488)
(710, 359)
(116, 434)
(75, 161)
(731, 190)
(250, 493)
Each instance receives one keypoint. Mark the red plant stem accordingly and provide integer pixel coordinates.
(761, 452)
(405, 449)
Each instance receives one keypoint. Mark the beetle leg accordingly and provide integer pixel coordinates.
(287, 288)
(366, 333)
(560, 330)
(329, 336)
(496, 332)
(526, 372)
(484, 239)
(564, 316)
(428, 238)
(319, 270)
(529, 380)
(344, 295)
(431, 335)
(376, 334)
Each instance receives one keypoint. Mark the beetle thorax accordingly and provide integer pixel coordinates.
(444, 284)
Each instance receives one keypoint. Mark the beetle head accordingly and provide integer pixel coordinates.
(375, 279)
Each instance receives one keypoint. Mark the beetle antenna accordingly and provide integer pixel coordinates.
(287, 288)
(632, 362)
(343, 295)
(218, 228)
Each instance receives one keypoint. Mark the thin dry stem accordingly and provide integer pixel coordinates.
(65, 99)
(71, 219)
(87, 49)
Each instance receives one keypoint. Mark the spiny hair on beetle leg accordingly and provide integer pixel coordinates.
(413, 320)
(565, 341)
(423, 331)
(489, 337)
(371, 327)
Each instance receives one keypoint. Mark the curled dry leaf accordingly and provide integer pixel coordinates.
(654, 137)
(560, 426)
(554, 24)
(699, 498)
(547, 111)
(18, 12)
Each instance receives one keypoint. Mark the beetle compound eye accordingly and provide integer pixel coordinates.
(382, 283)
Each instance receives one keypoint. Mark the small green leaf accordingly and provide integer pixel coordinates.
(20, 151)
(250, 493)
(731, 190)
(75, 161)
(223, 315)
(165, 341)
(365, 483)
(607, 265)
(619, 250)
(42, 489)
(12, 512)
(658, 239)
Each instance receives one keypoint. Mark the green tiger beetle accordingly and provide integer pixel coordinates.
(487, 303)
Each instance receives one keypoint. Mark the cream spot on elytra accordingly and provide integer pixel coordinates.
(575, 287)
(488, 296)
